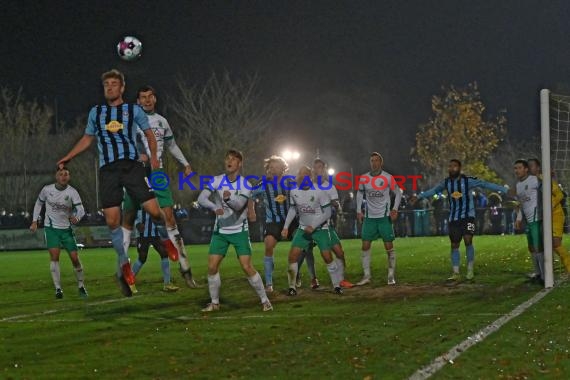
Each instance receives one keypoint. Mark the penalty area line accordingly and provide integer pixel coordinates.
(439, 362)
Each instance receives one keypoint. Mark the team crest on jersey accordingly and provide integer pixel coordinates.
(66, 197)
(125, 114)
(526, 187)
(114, 126)
(312, 198)
(456, 195)
(280, 198)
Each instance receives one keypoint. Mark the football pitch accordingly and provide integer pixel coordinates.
(369, 332)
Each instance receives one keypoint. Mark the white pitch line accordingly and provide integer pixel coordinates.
(22, 316)
(439, 362)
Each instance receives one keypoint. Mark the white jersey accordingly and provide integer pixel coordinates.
(328, 188)
(528, 194)
(309, 205)
(60, 206)
(377, 193)
(164, 137)
(233, 220)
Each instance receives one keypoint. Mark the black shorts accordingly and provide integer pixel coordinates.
(274, 229)
(144, 243)
(460, 228)
(128, 174)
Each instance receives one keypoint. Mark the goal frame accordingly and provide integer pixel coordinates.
(546, 184)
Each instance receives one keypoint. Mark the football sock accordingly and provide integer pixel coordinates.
(165, 266)
(292, 274)
(470, 251)
(539, 258)
(340, 264)
(391, 262)
(455, 259)
(257, 285)
(126, 239)
(535, 264)
(300, 261)
(268, 269)
(55, 275)
(117, 240)
(79, 275)
(137, 266)
(214, 283)
(366, 263)
(176, 239)
(334, 273)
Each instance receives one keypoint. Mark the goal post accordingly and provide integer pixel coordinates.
(546, 186)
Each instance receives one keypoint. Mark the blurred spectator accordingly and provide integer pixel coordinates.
(496, 213)
(440, 213)
(480, 201)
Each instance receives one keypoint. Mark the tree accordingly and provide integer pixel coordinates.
(25, 127)
(220, 115)
(458, 129)
(510, 150)
(30, 150)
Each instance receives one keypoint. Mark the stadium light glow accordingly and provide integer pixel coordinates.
(291, 155)
(330, 171)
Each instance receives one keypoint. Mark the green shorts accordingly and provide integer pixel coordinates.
(321, 237)
(220, 243)
(534, 235)
(334, 237)
(375, 228)
(60, 238)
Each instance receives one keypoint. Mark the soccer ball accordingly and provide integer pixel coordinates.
(129, 48)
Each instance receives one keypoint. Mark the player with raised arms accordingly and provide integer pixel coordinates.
(146, 98)
(459, 189)
(312, 205)
(63, 209)
(230, 194)
(377, 222)
(114, 126)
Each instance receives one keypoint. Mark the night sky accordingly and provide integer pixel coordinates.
(363, 65)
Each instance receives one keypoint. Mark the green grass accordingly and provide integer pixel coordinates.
(375, 331)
